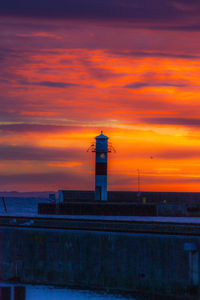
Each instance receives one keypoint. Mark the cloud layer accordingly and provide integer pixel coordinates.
(70, 69)
(144, 13)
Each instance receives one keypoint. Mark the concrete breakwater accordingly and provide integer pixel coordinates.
(156, 258)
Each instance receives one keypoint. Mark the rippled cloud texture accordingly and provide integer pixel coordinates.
(72, 68)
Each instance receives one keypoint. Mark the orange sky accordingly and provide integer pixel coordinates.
(60, 87)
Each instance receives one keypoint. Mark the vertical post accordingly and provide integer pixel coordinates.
(193, 265)
(60, 196)
(19, 293)
(5, 293)
(4, 205)
(138, 181)
(193, 268)
(138, 185)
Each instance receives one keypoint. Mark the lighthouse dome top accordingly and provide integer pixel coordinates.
(101, 137)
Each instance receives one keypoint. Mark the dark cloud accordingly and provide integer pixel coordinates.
(40, 153)
(191, 28)
(54, 84)
(34, 128)
(73, 180)
(102, 73)
(98, 71)
(136, 85)
(138, 11)
(61, 179)
(185, 179)
(153, 54)
(139, 85)
(173, 121)
(149, 179)
(44, 128)
(7, 52)
(87, 8)
(186, 153)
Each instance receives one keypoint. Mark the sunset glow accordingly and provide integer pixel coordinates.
(64, 80)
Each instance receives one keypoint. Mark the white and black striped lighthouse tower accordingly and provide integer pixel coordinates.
(101, 147)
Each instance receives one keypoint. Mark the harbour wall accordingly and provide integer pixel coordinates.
(145, 257)
(119, 209)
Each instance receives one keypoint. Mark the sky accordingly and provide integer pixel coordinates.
(69, 69)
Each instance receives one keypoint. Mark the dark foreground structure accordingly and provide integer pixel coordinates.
(122, 203)
(159, 258)
(100, 244)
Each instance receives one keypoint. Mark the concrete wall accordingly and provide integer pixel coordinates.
(104, 208)
(153, 263)
(150, 197)
(171, 209)
(177, 210)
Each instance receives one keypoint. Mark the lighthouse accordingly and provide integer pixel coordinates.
(101, 147)
(101, 167)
